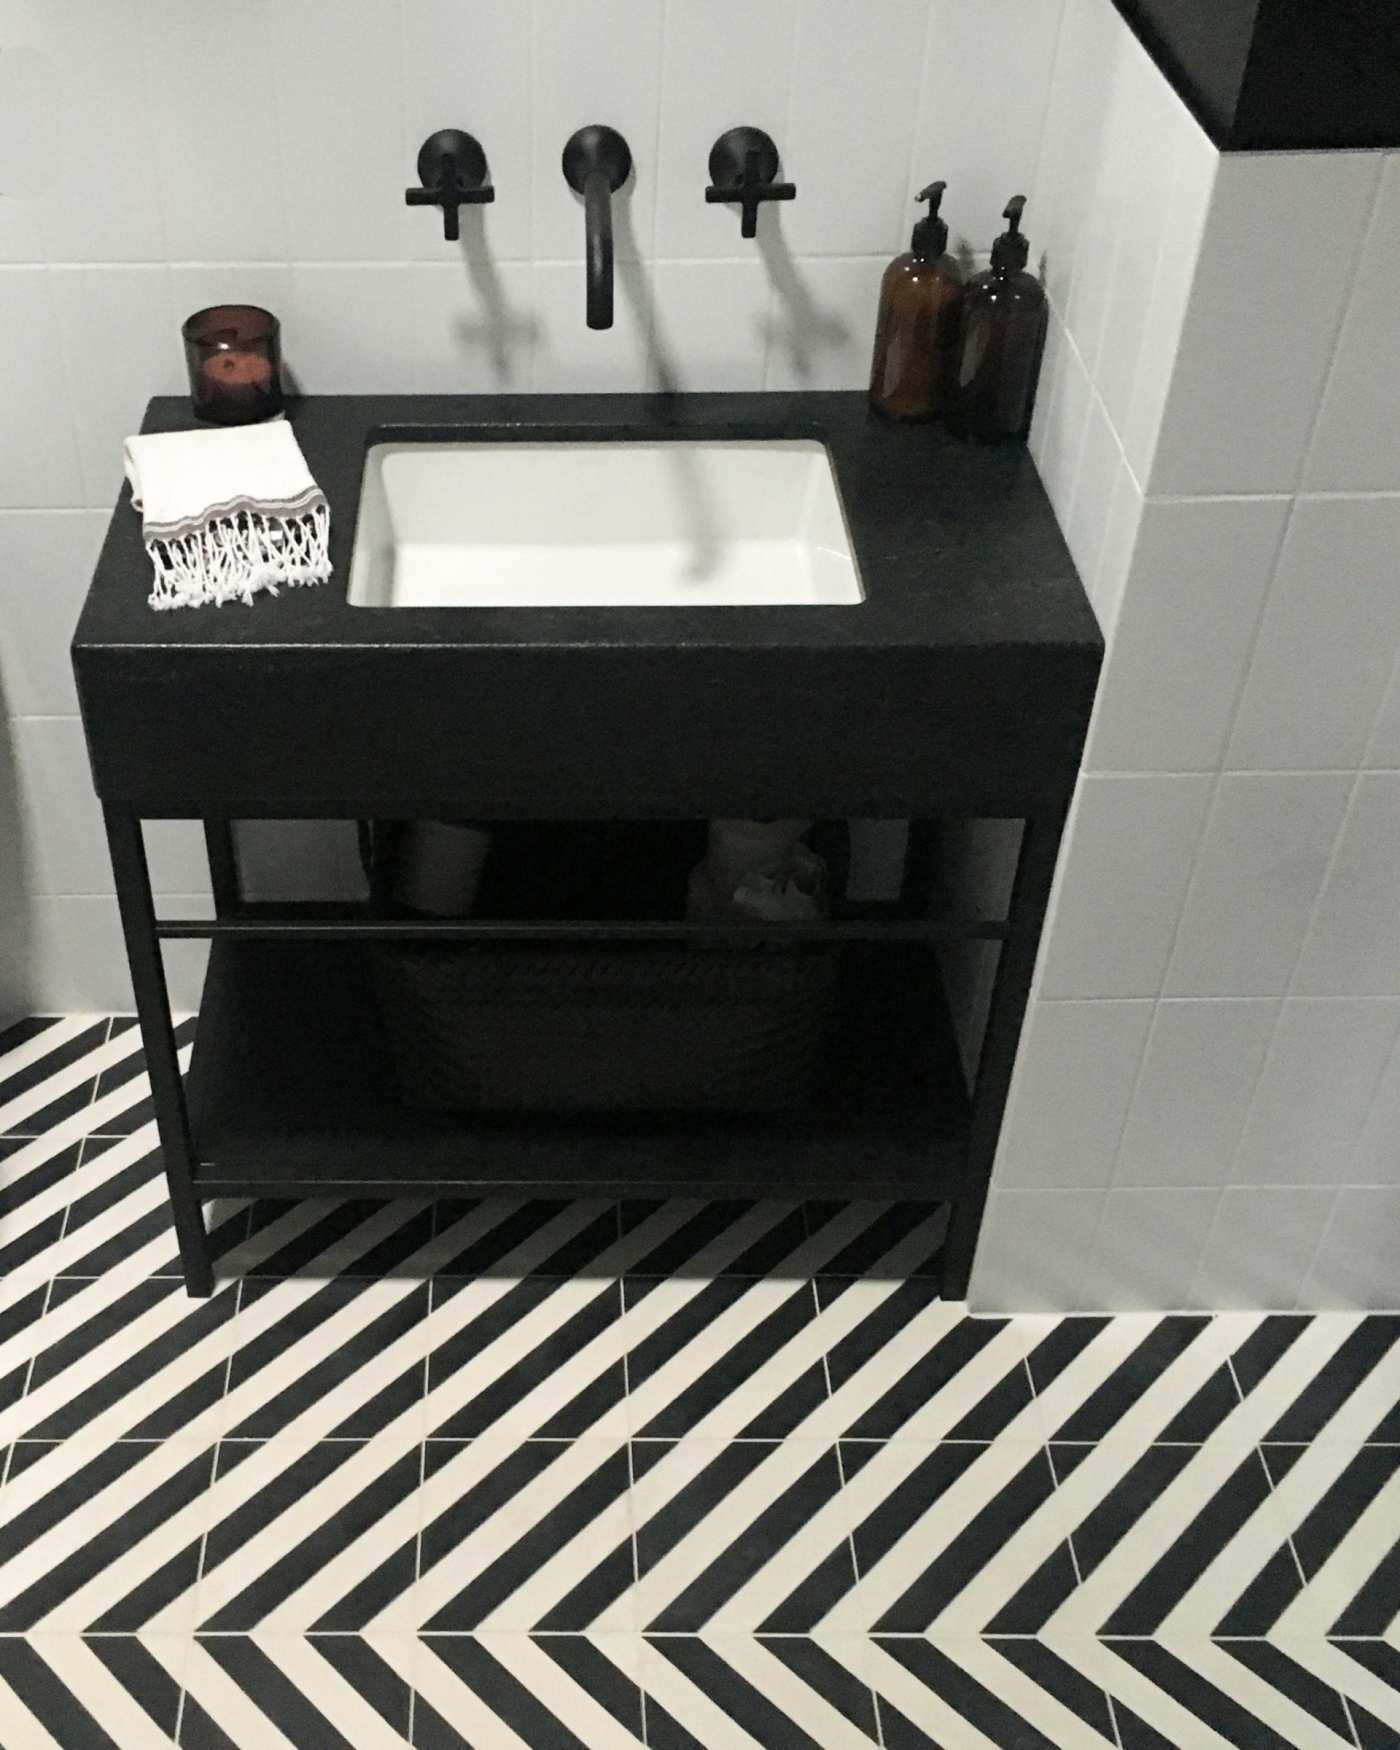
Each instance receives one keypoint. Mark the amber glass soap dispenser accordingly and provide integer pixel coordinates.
(1003, 336)
(916, 336)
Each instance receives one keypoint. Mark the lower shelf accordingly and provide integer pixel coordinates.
(291, 1095)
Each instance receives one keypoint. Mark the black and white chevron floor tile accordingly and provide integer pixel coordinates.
(534, 1474)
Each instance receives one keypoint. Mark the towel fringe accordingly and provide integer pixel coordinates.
(234, 558)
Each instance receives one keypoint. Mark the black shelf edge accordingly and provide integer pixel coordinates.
(290, 1095)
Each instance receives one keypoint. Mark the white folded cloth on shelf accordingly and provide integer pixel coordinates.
(227, 513)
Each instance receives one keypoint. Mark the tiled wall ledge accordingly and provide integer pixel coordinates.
(1205, 1109)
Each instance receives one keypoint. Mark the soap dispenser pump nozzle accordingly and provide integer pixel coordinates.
(930, 237)
(1011, 250)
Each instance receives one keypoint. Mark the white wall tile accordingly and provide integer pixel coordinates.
(1192, 1098)
(1376, 1159)
(61, 840)
(14, 882)
(1074, 1078)
(1106, 588)
(475, 323)
(185, 962)
(1063, 419)
(30, 84)
(982, 108)
(1148, 1250)
(855, 85)
(1356, 446)
(1193, 185)
(175, 856)
(1319, 1081)
(1261, 1248)
(1330, 632)
(821, 319)
(1086, 527)
(121, 348)
(74, 953)
(352, 330)
(104, 205)
(337, 75)
(1120, 885)
(1123, 223)
(1353, 948)
(599, 63)
(38, 457)
(470, 70)
(1090, 45)
(73, 957)
(62, 843)
(211, 106)
(1033, 1251)
(1385, 737)
(1262, 319)
(1355, 1266)
(1052, 365)
(706, 89)
(1190, 606)
(1148, 138)
(571, 357)
(710, 329)
(16, 1000)
(1261, 863)
(46, 561)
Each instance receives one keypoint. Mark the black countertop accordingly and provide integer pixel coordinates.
(956, 545)
(962, 682)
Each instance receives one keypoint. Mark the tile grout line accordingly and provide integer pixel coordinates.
(1293, 1548)
(29, 1365)
(1350, 1719)
(840, 1463)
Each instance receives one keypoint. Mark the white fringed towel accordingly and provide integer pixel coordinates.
(227, 513)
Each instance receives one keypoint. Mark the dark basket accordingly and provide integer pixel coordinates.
(640, 1028)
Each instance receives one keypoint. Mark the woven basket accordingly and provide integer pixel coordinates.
(569, 1029)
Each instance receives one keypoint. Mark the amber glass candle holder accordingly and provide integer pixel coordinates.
(234, 361)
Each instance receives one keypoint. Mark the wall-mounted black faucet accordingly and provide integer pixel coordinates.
(743, 165)
(452, 170)
(596, 164)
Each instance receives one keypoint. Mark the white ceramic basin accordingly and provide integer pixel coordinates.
(670, 523)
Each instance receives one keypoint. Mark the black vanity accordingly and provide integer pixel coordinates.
(959, 688)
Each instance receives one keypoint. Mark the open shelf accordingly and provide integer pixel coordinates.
(291, 1094)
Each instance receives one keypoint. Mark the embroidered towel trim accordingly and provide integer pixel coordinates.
(227, 514)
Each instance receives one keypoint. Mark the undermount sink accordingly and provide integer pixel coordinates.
(642, 523)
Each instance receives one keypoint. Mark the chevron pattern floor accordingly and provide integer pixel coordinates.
(676, 1475)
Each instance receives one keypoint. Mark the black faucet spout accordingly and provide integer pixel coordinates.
(596, 164)
(598, 239)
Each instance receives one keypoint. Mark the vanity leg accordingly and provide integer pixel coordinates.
(1030, 893)
(138, 917)
(223, 866)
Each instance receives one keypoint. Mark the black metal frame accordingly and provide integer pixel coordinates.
(1019, 934)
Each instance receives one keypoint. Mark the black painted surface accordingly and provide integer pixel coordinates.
(291, 1095)
(1280, 74)
(1203, 48)
(964, 679)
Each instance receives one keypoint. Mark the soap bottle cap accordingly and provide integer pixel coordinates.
(1011, 250)
(930, 237)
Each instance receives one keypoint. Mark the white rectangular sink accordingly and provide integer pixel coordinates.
(649, 523)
